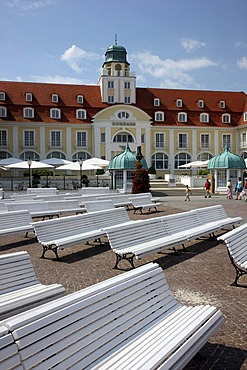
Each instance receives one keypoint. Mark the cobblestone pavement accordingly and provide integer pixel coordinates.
(199, 276)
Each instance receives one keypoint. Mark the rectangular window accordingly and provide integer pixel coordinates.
(156, 102)
(102, 137)
(244, 140)
(143, 138)
(3, 112)
(2, 95)
(110, 84)
(55, 138)
(110, 99)
(80, 99)
(159, 140)
(200, 103)
(226, 140)
(127, 99)
(54, 98)
(182, 141)
(29, 97)
(28, 138)
(222, 104)
(127, 85)
(81, 138)
(204, 141)
(245, 116)
(3, 138)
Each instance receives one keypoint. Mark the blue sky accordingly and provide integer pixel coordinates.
(181, 44)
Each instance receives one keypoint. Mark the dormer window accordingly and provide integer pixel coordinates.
(2, 95)
(54, 98)
(3, 112)
(245, 116)
(81, 114)
(182, 117)
(159, 116)
(226, 118)
(179, 103)
(222, 104)
(204, 117)
(80, 99)
(200, 103)
(29, 97)
(55, 113)
(156, 102)
(28, 112)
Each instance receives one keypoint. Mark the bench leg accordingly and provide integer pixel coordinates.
(126, 257)
(50, 248)
(239, 273)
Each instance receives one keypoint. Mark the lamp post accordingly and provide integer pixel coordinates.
(80, 163)
(29, 162)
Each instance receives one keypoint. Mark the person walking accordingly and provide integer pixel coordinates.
(188, 192)
(238, 189)
(207, 187)
(229, 189)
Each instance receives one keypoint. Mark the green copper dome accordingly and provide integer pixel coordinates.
(125, 161)
(226, 160)
(116, 53)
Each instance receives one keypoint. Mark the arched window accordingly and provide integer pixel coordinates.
(204, 117)
(58, 155)
(160, 161)
(81, 114)
(29, 154)
(123, 137)
(159, 116)
(55, 113)
(80, 155)
(182, 117)
(28, 112)
(226, 118)
(3, 112)
(181, 158)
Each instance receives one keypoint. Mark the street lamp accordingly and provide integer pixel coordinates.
(80, 163)
(29, 162)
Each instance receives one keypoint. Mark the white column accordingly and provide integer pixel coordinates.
(68, 143)
(42, 142)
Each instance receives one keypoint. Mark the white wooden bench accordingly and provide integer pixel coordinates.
(94, 190)
(157, 234)
(70, 230)
(142, 202)
(9, 358)
(68, 205)
(217, 215)
(15, 222)
(19, 287)
(236, 242)
(99, 205)
(36, 208)
(42, 191)
(128, 322)
(119, 200)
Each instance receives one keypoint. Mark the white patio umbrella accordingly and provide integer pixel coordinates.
(23, 165)
(56, 161)
(97, 162)
(75, 166)
(10, 160)
(195, 164)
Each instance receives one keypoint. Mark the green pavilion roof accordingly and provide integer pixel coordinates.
(125, 160)
(226, 160)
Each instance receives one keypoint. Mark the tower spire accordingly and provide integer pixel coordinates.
(115, 39)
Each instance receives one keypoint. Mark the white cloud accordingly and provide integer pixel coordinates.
(61, 80)
(28, 6)
(242, 63)
(191, 45)
(74, 56)
(171, 73)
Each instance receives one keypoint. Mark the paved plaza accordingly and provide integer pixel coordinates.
(200, 275)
